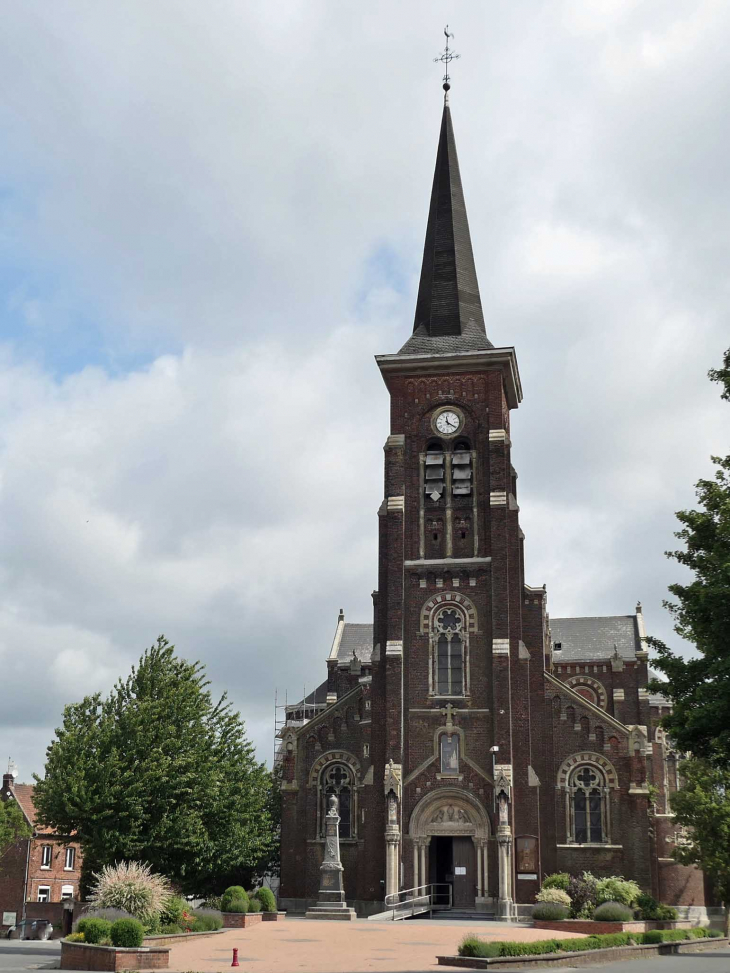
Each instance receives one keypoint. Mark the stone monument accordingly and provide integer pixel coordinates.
(331, 901)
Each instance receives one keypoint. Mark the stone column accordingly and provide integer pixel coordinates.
(424, 870)
(331, 901)
(415, 865)
(505, 905)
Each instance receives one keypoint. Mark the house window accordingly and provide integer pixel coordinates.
(587, 798)
(67, 893)
(46, 855)
(44, 893)
(337, 779)
(449, 746)
(448, 640)
(70, 859)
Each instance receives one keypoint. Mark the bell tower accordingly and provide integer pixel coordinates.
(459, 637)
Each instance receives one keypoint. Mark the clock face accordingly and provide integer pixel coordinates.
(447, 422)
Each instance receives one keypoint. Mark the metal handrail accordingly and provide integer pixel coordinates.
(421, 892)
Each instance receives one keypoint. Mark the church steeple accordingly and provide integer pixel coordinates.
(449, 314)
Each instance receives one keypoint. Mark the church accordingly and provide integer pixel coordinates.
(474, 744)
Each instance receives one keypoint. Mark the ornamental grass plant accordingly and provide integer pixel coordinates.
(134, 887)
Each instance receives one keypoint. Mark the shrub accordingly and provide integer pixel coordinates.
(536, 948)
(582, 892)
(666, 912)
(558, 880)
(172, 912)
(267, 899)
(94, 930)
(235, 893)
(131, 886)
(205, 920)
(473, 946)
(613, 912)
(238, 905)
(550, 910)
(617, 889)
(212, 902)
(254, 905)
(76, 937)
(713, 933)
(127, 932)
(170, 929)
(111, 914)
(553, 895)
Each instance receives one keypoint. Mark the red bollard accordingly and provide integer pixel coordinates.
(235, 958)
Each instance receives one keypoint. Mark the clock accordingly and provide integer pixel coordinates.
(447, 422)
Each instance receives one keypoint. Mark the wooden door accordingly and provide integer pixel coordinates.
(465, 873)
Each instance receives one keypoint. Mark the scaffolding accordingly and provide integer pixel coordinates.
(290, 715)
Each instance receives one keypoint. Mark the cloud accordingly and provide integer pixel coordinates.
(211, 218)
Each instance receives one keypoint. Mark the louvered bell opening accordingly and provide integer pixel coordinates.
(461, 473)
(434, 459)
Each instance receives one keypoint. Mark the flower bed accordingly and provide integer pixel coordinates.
(109, 959)
(241, 920)
(593, 927)
(176, 937)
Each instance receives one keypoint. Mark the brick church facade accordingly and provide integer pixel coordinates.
(471, 740)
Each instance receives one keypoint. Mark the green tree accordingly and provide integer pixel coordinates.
(13, 825)
(702, 805)
(159, 772)
(699, 688)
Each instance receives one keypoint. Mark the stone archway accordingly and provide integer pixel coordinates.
(449, 813)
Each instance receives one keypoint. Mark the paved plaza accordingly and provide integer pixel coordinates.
(311, 946)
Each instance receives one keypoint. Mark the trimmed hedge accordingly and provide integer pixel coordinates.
(128, 933)
(94, 930)
(473, 946)
(254, 905)
(237, 905)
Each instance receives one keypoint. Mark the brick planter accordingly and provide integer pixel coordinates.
(241, 920)
(591, 927)
(109, 959)
(273, 916)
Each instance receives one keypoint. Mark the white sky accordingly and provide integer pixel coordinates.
(211, 218)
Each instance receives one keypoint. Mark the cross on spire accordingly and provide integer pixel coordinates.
(446, 58)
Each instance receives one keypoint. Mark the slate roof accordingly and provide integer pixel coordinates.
(595, 638)
(449, 314)
(357, 639)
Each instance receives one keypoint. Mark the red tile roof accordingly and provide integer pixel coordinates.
(23, 794)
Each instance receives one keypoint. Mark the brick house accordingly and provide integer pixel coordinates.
(472, 741)
(39, 876)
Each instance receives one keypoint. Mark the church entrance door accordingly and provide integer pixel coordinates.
(453, 862)
(465, 873)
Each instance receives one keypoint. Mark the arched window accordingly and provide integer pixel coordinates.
(588, 794)
(570, 715)
(585, 725)
(600, 738)
(449, 652)
(337, 779)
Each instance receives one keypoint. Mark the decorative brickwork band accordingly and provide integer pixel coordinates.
(498, 498)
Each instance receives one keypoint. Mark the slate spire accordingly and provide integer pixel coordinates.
(448, 310)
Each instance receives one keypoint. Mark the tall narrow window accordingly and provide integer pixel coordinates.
(449, 653)
(70, 859)
(450, 754)
(587, 787)
(337, 779)
(46, 854)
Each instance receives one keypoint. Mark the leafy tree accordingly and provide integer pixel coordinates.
(699, 688)
(702, 805)
(161, 773)
(13, 825)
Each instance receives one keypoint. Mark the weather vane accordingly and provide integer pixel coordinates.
(447, 57)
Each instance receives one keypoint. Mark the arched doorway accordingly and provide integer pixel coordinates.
(449, 830)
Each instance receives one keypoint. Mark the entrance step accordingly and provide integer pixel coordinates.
(468, 915)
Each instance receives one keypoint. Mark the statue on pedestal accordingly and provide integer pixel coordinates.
(331, 901)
